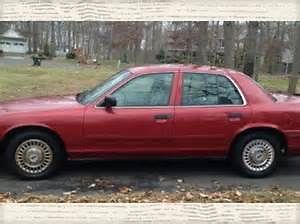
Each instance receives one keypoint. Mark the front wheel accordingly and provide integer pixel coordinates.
(34, 154)
(257, 154)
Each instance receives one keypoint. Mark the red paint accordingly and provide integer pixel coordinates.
(90, 131)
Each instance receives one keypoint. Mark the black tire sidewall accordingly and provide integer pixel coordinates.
(17, 139)
(239, 148)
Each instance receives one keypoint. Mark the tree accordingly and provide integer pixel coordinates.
(296, 65)
(46, 50)
(35, 36)
(52, 42)
(202, 57)
(250, 54)
(189, 44)
(29, 35)
(229, 44)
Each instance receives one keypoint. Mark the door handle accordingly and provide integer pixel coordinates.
(162, 116)
(235, 116)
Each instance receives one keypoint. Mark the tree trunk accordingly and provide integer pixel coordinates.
(59, 35)
(29, 34)
(35, 36)
(202, 57)
(52, 42)
(251, 42)
(260, 50)
(296, 65)
(69, 36)
(229, 44)
(146, 43)
(189, 49)
(111, 41)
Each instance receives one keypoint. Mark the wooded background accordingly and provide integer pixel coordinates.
(252, 47)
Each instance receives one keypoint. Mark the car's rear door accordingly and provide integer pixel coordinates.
(140, 123)
(210, 109)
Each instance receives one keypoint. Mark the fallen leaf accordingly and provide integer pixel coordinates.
(92, 186)
(189, 196)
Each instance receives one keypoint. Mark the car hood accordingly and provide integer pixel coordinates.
(283, 98)
(39, 104)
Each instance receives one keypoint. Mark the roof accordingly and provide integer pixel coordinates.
(12, 34)
(175, 67)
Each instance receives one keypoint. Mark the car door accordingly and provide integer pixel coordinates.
(140, 123)
(209, 111)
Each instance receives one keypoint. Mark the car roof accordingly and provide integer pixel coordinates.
(176, 67)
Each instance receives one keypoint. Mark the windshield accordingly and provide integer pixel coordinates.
(89, 96)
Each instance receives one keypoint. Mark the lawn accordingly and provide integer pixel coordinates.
(26, 81)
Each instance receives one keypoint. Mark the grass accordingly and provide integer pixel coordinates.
(22, 82)
(26, 81)
(274, 83)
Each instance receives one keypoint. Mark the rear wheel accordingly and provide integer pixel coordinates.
(257, 154)
(34, 154)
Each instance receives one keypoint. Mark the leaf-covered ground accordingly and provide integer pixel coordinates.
(125, 195)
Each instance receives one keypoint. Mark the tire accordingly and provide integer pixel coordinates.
(34, 154)
(257, 154)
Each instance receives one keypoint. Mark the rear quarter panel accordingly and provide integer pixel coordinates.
(283, 117)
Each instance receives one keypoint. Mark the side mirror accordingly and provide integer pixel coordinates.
(109, 101)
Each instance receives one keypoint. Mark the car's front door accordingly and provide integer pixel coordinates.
(141, 121)
(209, 111)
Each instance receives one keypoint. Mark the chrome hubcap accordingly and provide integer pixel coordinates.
(34, 156)
(258, 155)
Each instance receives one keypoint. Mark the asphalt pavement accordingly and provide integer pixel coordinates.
(89, 177)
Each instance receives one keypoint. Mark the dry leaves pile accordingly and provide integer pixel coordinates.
(126, 194)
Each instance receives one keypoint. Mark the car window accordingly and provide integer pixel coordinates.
(209, 89)
(89, 96)
(146, 90)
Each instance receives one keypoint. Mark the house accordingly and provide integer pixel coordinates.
(176, 43)
(13, 44)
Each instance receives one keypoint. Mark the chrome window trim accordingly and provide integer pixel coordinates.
(245, 103)
(141, 107)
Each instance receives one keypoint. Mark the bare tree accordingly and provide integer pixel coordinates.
(296, 65)
(250, 54)
(35, 36)
(202, 57)
(52, 42)
(229, 44)
(189, 44)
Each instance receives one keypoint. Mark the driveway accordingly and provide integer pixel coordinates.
(162, 175)
(58, 62)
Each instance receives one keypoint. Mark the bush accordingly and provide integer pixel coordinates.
(161, 56)
(46, 50)
(71, 55)
(1, 53)
(124, 58)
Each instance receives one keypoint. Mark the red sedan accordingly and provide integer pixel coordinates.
(154, 111)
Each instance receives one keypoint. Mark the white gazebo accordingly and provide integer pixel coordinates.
(13, 44)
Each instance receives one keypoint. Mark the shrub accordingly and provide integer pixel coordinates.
(1, 53)
(161, 56)
(71, 55)
(46, 50)
(124, 58)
